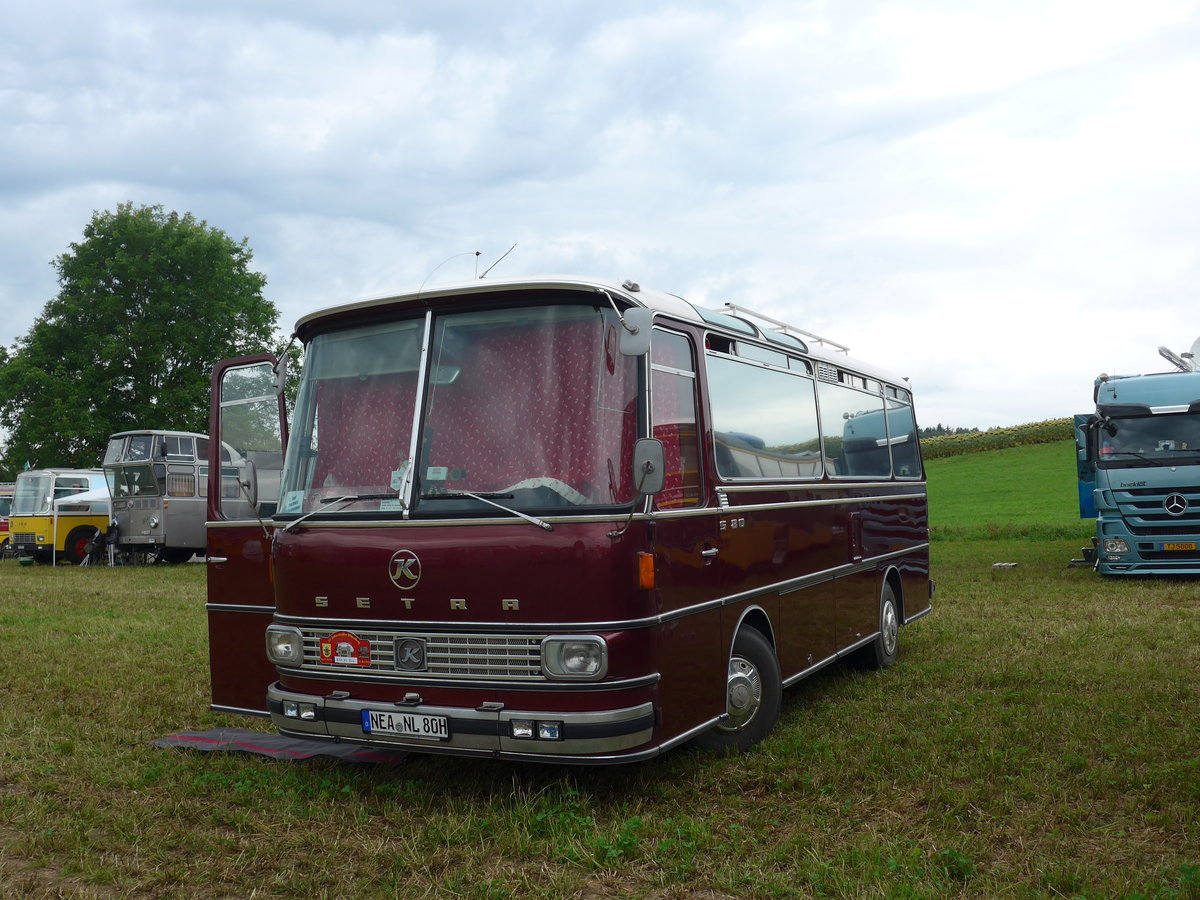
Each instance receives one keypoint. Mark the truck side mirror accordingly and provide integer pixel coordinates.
(248, 482)
(649, 466)
(635, 331)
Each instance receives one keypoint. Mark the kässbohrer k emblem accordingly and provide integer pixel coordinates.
(404, 569)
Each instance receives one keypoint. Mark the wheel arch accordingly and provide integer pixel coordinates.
(892, 577)
(757, 618)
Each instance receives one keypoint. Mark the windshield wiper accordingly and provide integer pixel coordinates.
(459, 495)
(349, 498)
(390, 496)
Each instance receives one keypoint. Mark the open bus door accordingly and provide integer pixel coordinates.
(248, 427)
(1086, 467)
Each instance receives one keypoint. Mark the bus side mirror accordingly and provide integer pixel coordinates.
(248, 482)
(280, 373)
(649, 466)
(635, 331)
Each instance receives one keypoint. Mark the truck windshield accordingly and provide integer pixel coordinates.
(530, 407)
(132, 481)
(1158, 440)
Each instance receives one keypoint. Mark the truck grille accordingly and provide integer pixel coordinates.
(466, 656)
(1143, 511)
(24, 537)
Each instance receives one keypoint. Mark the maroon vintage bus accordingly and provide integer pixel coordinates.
(556, 519)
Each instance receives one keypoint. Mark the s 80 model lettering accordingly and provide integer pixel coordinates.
(557, 519)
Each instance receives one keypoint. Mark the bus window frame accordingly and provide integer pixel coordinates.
(805, 372)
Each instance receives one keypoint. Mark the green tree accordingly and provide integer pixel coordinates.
(148, 302)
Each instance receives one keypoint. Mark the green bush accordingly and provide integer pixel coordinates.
(998, 438)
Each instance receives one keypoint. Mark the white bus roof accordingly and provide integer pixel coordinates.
(166, 432)
(93, 496)
(633, 294)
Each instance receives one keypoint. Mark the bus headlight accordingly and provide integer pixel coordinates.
(575, 657)
(1115, 545)
(285, 645)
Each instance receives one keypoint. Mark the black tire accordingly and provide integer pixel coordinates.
(75, 549)
(882, 651)
(753, 693)
(173, 556)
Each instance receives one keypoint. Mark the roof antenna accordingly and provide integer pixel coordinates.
(446, 260)
(497, 262)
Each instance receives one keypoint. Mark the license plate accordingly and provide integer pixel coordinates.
(403, 724)
(1179, 545)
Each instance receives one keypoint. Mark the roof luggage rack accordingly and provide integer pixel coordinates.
(784, 328)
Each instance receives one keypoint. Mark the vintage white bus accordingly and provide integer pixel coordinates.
(563, 520)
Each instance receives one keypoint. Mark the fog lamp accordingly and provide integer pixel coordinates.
(575, 657)
(549, 731)
(522, 729)
(295, 710)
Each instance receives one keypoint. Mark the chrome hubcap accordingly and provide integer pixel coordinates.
(743, 694)
(890, 626)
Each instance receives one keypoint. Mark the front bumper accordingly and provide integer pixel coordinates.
(591, 736)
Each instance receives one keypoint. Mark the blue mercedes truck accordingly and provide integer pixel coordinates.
(1139, 471)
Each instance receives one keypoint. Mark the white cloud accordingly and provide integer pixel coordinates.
(998, 200)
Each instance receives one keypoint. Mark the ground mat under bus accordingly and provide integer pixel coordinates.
(242, 740)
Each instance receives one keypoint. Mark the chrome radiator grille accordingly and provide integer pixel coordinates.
(504, 656)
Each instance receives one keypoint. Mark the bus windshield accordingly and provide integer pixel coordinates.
(1163, 440)
(530, 408)
(32, 495)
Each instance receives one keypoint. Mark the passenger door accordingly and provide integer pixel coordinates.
(248, 431)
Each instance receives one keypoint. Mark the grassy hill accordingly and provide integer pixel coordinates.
(1023, 491)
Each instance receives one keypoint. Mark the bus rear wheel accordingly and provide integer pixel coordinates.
(753, 694)
(882, 652)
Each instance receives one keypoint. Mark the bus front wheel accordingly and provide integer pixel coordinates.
(753, 693)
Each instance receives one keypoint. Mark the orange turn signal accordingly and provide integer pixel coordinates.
(645, 571)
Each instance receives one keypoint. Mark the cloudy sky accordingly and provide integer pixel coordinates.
(998, 200)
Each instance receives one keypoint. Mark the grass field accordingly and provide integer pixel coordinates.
(1038, 738)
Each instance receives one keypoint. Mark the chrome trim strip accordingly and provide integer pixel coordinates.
(788, 682)
(780, 587)
(926, 611)
(239, 711)
(619, 519)
(639, 756)
(214, 559)
(375, 676)
(238, 607)
(742, 487)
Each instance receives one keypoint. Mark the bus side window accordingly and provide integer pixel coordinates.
(673, 418)
(764, 421)
(181, 482)
(853, 431)
(902, 436)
